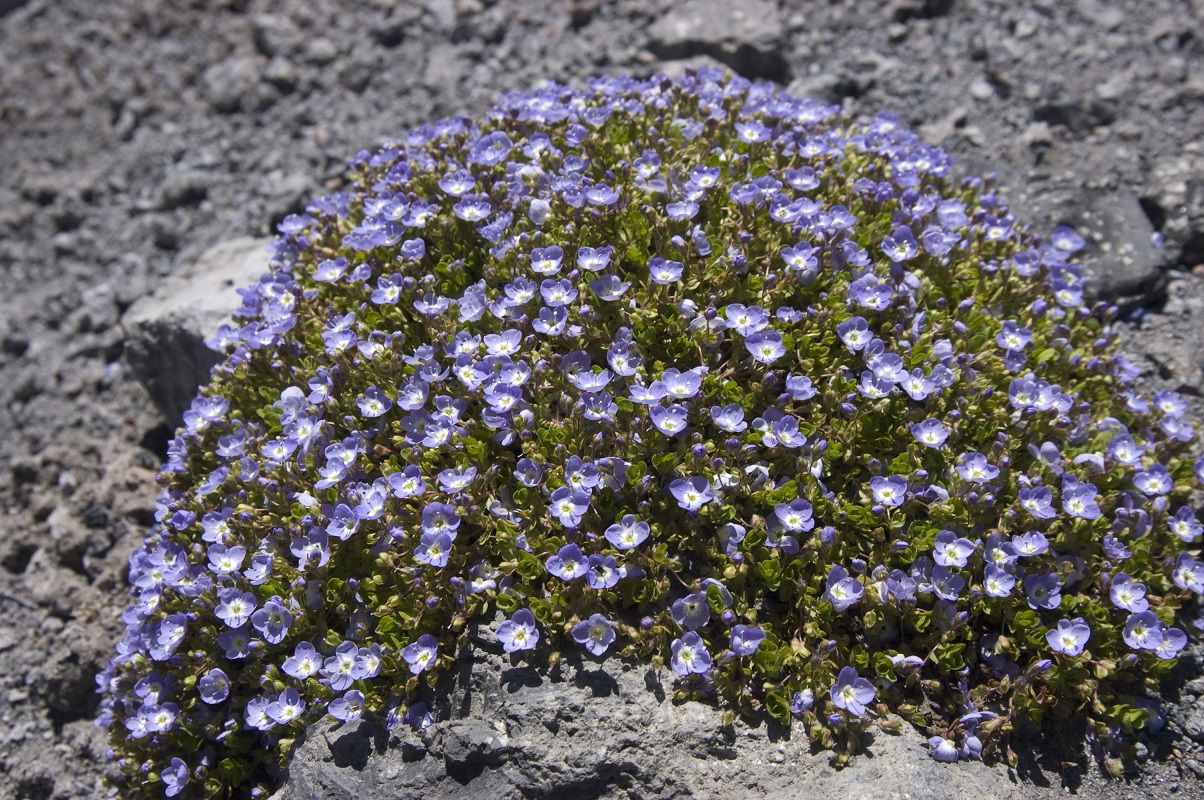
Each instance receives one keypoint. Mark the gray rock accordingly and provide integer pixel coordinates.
(746, 36)
(229, 85)
(608, 730)
(1119, 258)
(166, 331)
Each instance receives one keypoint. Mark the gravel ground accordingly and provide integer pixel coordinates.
(137, 134)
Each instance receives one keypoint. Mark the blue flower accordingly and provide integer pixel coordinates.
(422, 654)
(349, 707)
(997, 582)
(1044, 591)
(693, 493)
(802, 702)
(930, 433)
(900, 245)
(842, 591)
(765, 346)
(665, 272)
(272, 620)
(214, 686)
(628, 533)
(851, 692)
(690, 656)
(174, 777)
(1143, 631)
(692, 611)
(670, 420)
(568, 564)
(286, 707)
(942, 749)
(1070, 637)
(518, 632)
(746, 640)
(303, 663)
(595, 634)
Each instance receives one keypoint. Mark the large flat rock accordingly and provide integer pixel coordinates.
(166, 330)
(508, 731)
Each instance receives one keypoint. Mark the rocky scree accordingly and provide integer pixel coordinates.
(690, 369)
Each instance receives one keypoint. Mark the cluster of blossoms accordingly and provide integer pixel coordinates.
(691, 371)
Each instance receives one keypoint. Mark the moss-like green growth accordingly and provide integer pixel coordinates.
(685, 371)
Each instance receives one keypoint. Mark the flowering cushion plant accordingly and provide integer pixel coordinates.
(686, 371)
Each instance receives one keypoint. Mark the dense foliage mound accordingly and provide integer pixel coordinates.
(684, 371)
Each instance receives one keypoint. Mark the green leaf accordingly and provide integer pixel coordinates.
(778, 707)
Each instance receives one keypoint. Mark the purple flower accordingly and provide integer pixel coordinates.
(422, 654)
(287, 707)
(951, 551)
(747, 320)
(795, 516)
(890, 491)
(440, 518)
(1078, 499)
(802, 702)
(746, 640)
(842, 591)
(670, 420)
(174, 776)
(692, 611)
(338, 669)
(1128, 594)
(1143, 631)
(225, 560)
(1154, 481)
(692, 493)
(349, 707)
(729, 418)
(1173, 640)
(766, 347)
(1188, 573)
(235, 641)
(930, 433)
(547, 260)
(851, 692)
(1013, 337)
(1115, 549)
(602, 572)
(997, 582)
(593, 259)
(609, 287)
(855, 333)
(490, 149)
(518, 632)
(1038, 502)
(690, 655)
(303, 663)
(942, 749)
(1044, 591)
(234, 607)
(373, 403)
(595, 634)
(975, 467)
(1069, 637)
(946, 583)
(569, 506)
(900, 245)
(214, 686)
(628, 533)
(272, 621)
(665, 272)
(568, 563)
(433, 549)
(1030, 544)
